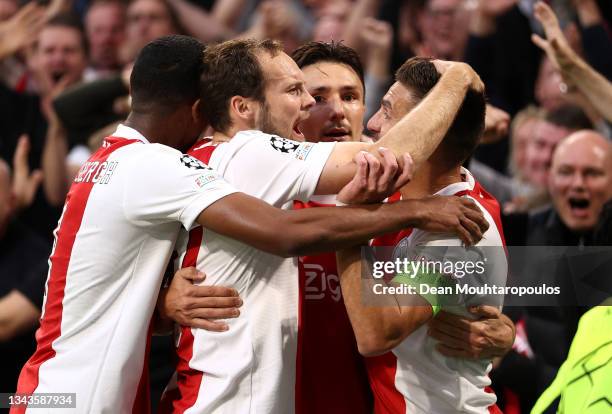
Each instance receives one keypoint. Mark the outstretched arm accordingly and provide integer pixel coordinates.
(316, 230)
(575, 71)
(418, 133)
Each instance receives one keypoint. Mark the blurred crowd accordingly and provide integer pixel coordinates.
(64, 81)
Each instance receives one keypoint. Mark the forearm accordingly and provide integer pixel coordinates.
(592, 84)
(307, 231)
(361, 10)
(420, 131)
(81, 106)
(382, 326)
(322, 230)
(377, 65)
(17, 315)
(227, 12)
(55, 183)
(199, 23)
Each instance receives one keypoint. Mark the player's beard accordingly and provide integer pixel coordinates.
(266, 124)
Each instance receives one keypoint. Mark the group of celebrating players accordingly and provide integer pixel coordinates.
(261, 206)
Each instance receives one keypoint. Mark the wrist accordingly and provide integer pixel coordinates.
(459, 74)
(413, 213)
(574, 68)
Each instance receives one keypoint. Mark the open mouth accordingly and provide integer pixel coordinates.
(337, 134)
(579, 206)
(297, 133)
(57, 75)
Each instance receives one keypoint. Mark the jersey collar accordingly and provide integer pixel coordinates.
(466, 185)
(126, 132)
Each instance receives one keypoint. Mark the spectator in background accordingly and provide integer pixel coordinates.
(521, 131)
(549, 89)
(7, 9)
(547, 134)
(80, 112)
(23, 266)
(147, 20)
(580, 184)
(593, 87)
(105, 29)
(58, 61)
(443, 27)
(580, 181)
(500, 33)
(331, 21)
(511, 189)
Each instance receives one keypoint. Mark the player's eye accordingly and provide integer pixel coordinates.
(349, 98)
(318, 98)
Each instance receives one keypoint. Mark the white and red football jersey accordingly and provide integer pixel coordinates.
(414, 377)
(251, 367)
(118, 227)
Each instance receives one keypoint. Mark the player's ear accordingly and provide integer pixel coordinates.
(243, 109)
(196, 110)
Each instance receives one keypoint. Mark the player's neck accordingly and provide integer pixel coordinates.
(430, 179)
(149, 126)
(219, 137)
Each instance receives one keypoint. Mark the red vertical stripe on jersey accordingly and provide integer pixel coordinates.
(142, 402)
(300, 339)
(50, 324)
(382, 370)
(188, 380)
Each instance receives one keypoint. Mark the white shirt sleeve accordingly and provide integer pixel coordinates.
(274, 169)
(167, 185)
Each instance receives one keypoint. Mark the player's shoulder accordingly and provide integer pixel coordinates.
(272, 146)
(159, 149)
(162, 158)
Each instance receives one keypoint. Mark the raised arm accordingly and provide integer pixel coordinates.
(316, 230)
(200, 23)
(575, 71)
(418, 133)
